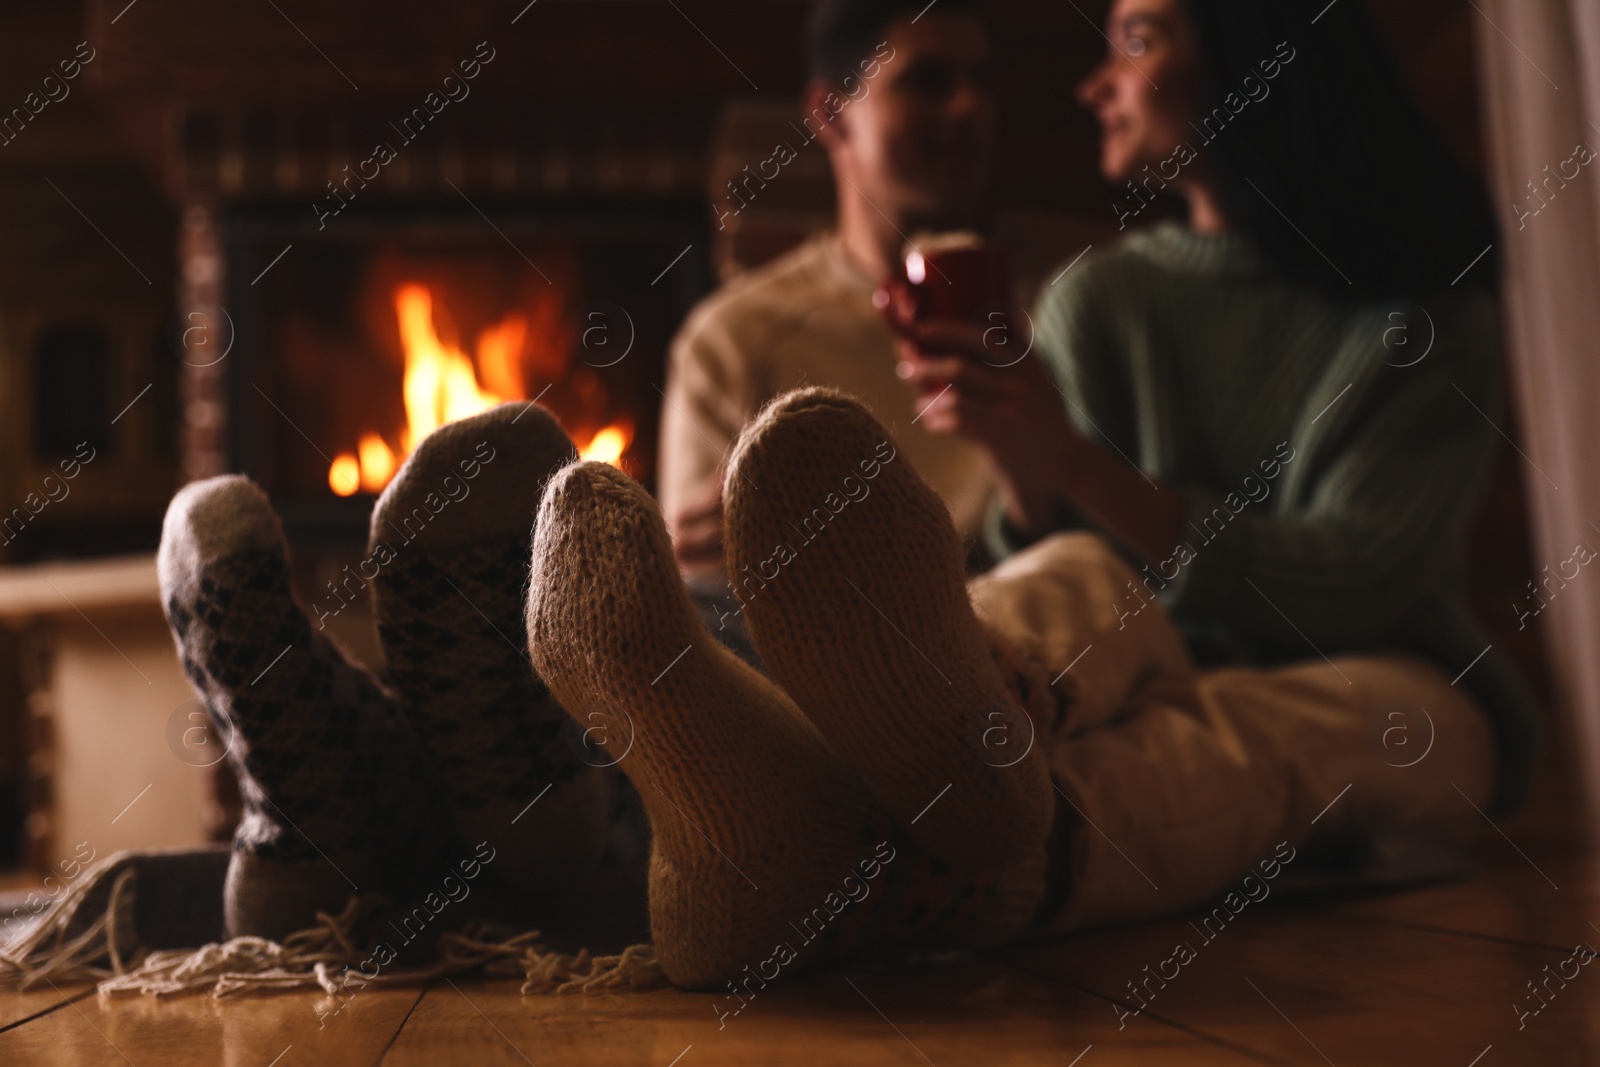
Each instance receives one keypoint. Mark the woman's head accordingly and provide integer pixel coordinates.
(1146, 91)
(1293, 117)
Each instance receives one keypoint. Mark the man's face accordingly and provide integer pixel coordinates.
(920, 141)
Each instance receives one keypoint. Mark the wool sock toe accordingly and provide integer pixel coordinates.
(336, 796)
(448, 552)
(754, 820)
(851, 575)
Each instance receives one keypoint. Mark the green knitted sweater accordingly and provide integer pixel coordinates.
(1331, 454)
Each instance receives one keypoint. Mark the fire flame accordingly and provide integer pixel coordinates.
(442, 385)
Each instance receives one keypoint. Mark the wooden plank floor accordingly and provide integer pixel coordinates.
(1426, 976)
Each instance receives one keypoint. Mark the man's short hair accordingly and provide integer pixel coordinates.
(842, 33)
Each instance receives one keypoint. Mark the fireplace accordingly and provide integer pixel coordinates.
(351, 341)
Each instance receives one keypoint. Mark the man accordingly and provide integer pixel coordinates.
(901, 97)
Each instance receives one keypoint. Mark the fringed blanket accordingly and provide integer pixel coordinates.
(150, 923)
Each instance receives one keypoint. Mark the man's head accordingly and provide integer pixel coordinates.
(902, 94)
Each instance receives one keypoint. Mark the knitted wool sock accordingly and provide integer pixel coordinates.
(449, 544)
(336, 795)
(852, 579)
(754, 821)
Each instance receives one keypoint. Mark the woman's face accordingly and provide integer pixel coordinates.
(1144, 91)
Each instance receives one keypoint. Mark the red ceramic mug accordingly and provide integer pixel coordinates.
(954, 275)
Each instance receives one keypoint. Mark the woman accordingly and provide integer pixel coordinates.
(1247, 401)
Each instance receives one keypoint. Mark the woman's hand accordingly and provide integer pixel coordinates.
(980, 389)
(971, 381)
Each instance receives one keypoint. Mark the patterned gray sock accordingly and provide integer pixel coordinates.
(449, 549)
(336, 792)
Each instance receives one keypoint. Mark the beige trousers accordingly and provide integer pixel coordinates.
(1185, 780)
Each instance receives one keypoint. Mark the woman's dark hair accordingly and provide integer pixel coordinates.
(1333, 170)
(839, 34)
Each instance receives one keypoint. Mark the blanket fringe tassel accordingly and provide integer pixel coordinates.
(65, 946)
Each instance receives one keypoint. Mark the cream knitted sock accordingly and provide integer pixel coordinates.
(754, 820)
(449, 548)
(337, 796)
(851, 575)
(769, 851)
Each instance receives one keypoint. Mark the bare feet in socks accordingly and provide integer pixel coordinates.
(769, 850)
(851, 576)
(449, 545)
(752, 817)
(336, 793)
(341, 793)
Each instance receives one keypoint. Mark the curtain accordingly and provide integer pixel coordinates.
(1541, 93)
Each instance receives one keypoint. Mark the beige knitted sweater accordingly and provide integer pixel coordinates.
(804, 319)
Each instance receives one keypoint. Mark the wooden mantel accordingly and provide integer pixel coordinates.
(91, 586)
